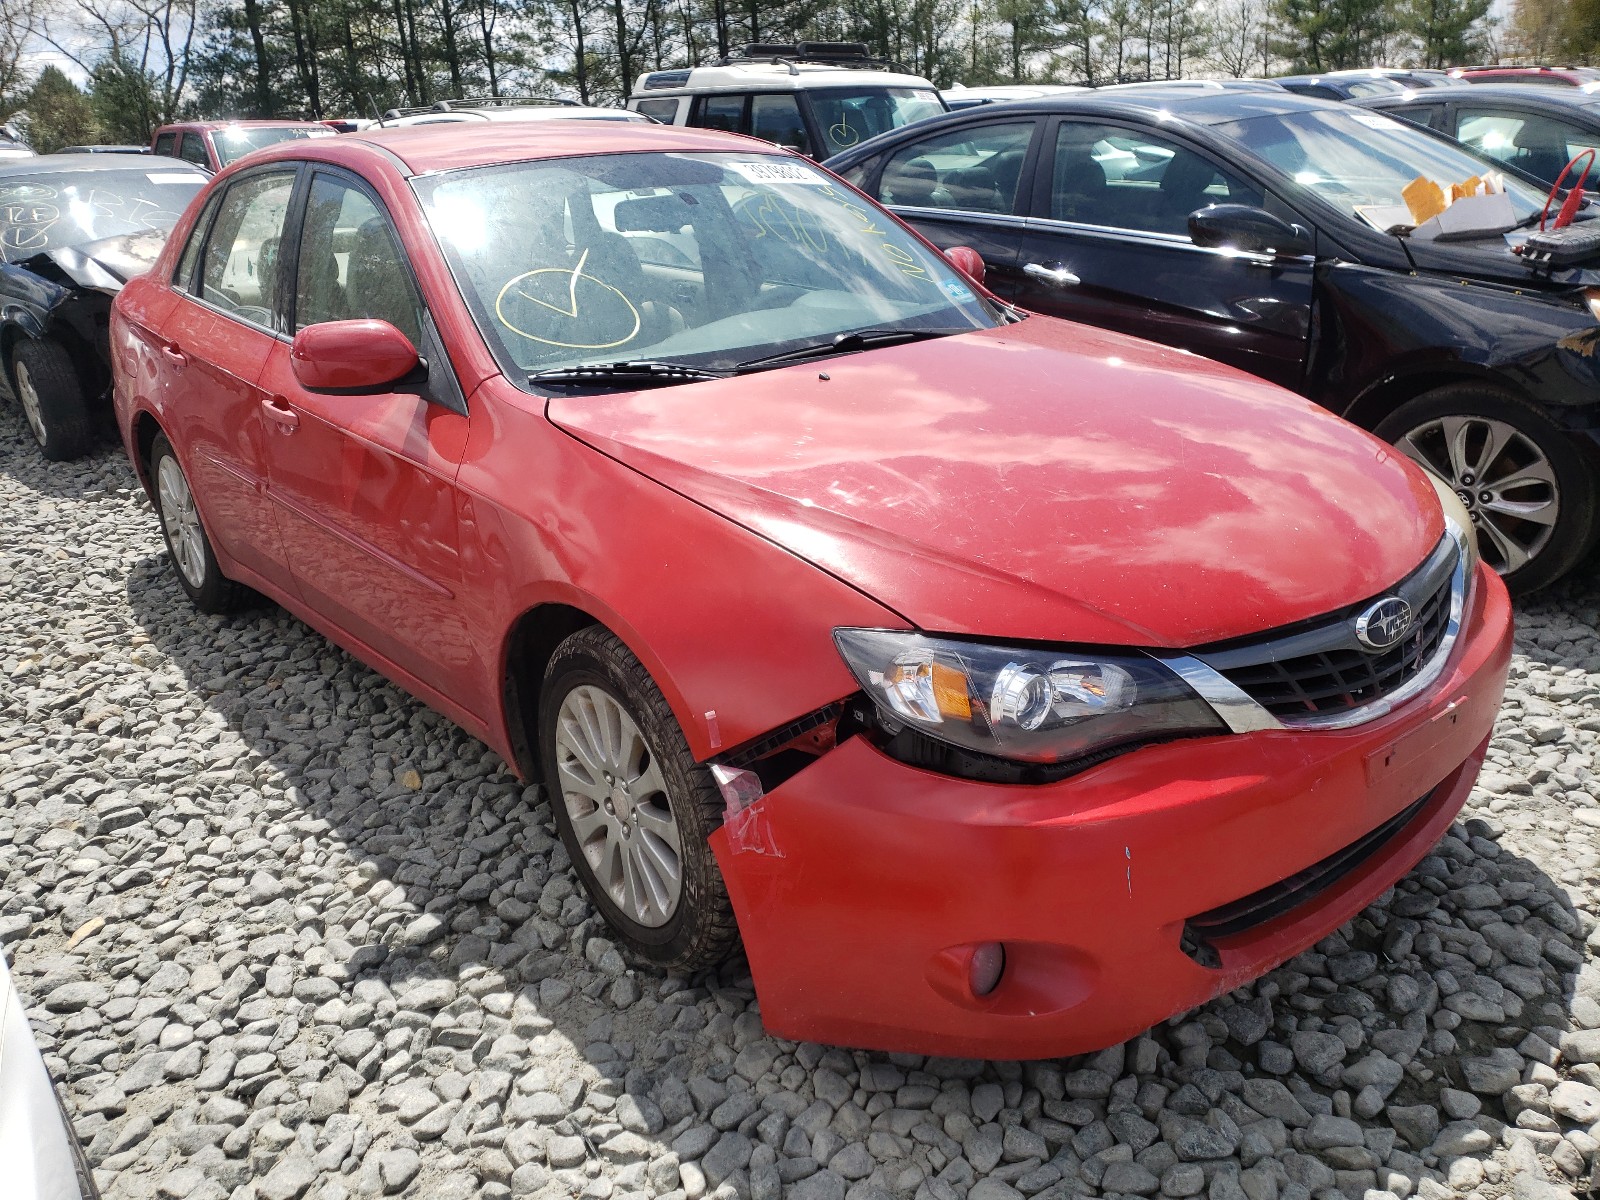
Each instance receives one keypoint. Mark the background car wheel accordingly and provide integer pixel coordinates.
(188, 547)
(1529, 490)
(633, 807)
(52, 399)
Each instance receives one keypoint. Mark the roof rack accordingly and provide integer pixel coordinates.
(831, 54)
(476, 102)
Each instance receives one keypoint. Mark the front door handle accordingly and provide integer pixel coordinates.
(174, 355)
(278, 411)
(1056, 274)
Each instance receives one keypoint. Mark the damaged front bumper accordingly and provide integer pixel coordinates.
(1139, 889)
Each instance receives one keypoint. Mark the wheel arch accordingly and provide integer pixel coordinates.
(528, 646)
(1384, 396)
(145, 430)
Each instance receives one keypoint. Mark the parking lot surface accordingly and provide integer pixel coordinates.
(284, 932)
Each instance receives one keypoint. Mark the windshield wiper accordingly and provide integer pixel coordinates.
(856, 339)
(643, 371)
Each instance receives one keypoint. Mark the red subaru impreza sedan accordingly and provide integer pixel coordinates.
(1005, 685)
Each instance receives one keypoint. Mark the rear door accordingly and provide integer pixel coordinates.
(215, 343)
(1108, 243)
(364, 485)
(967, 187)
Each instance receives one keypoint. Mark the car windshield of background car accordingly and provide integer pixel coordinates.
(852, 115)
(237, 140)
(50, 211)
(707, 259)
(1355, 159)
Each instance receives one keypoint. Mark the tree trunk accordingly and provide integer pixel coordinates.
(258, 42)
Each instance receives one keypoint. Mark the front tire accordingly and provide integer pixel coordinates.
(1528, 488)
(188, 546)
(52, 399)
(633, 807)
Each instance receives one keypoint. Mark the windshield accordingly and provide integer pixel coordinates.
(238, 140)
(710, 260)
(850, 115)
(50, 211)
(1363, 160)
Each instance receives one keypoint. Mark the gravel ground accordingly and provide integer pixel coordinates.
(284, 932)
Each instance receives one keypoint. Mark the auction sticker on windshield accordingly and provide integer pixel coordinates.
(777, 171)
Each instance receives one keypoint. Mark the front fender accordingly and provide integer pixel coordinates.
(1379, 326)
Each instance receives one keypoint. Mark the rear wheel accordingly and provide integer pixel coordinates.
(1528, 488)
(188, 547)
(633, 807)
(52, 399)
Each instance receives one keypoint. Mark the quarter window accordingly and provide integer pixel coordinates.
(665, 111)
(350, 264)
(1537, 144)
(975, 169)
(239, 269)
(1127, 179)
(183, 277)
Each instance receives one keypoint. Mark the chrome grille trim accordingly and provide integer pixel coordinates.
(1204, 670)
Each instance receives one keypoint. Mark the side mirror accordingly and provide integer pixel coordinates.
(1248, 229)
(351, 356)
(968, 260)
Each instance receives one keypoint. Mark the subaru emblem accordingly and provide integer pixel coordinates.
(1383, 623)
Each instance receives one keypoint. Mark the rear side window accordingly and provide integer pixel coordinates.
(350, 263)
(975, 169)
(722, 112)
(194, 150)
(662, 110)
(167, 144)
(239, 269)
(778, 119)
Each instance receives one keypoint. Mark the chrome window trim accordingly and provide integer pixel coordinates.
(1243, 715)
(1171, 241)
(966, 214)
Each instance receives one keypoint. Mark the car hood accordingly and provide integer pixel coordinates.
(103, 266)
(1490, 258)
(1043, 480)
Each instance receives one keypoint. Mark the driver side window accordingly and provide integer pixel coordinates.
(239, 269)
(350, 264)
(974, 169)
(1124, 178)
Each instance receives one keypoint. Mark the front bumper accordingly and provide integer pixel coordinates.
(861, 883)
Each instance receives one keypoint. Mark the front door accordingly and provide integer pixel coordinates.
(364, 485)
(1108, 244)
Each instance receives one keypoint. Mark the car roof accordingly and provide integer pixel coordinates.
(741, 75)
(212, 126)
(1203, 106)
(421, 149)
(54, 164)
(1553, 100)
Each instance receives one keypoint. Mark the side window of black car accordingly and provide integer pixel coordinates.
(1124, 178)
(350, 263)
(975, 169)
(239, 270)
(1538, 144)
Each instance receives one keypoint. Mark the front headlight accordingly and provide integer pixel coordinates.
(1034, 705)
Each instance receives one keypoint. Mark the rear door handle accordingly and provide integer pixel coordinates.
(1056, 274)
(277, 410)
(174, 355)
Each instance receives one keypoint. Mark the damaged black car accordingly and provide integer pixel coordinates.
(1277, 233)
(74, 229)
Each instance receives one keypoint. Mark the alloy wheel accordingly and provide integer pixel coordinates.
(1501, 475)
(181, 521)
(617, 802)
(28, 395)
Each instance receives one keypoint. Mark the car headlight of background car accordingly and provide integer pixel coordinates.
(1036, 705)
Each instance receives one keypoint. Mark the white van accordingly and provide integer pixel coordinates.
(815, 97)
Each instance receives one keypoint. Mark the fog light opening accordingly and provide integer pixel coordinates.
(987, 966)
